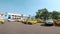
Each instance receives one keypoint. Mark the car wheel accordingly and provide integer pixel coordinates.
(2, 22)
(29, 23)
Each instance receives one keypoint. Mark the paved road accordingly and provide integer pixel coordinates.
(20, 28)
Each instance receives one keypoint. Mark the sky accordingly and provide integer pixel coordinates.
(28, 7)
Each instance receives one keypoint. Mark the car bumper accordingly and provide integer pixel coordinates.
(48, 24)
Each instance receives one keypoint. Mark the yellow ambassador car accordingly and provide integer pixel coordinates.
(1, 21)
(1, 18)
(20, 20)
(32, 21)
(40, 21)
(57, 22)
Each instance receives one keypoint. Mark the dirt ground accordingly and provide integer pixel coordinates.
(20, 28)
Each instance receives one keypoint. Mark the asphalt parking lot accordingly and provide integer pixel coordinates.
(20, 28)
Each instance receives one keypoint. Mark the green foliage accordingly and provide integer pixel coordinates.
(42, 14)
(55, 15)
(45, 14)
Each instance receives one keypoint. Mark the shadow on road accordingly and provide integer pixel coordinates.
(45, 25)
(57, 25)
(26, 23)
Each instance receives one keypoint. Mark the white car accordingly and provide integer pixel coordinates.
(11, 20)
(49, 22)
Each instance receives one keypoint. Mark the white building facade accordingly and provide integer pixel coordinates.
(15, 16)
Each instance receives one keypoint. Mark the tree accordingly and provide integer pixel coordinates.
(38, 13)
(49, 15)
(42, 13)
(55, 15)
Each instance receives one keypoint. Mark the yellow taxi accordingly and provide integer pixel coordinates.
(1, 21)
(1, 18)
(20, 20)
(40, 21)
(57, 22)
(32, 21)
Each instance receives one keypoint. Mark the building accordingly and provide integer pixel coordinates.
(1, 16)
(25, 17)
(15, 16)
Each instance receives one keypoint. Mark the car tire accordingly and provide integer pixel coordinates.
(2, 22)
(29, 23)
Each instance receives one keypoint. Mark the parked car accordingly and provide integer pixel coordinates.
(20, 20)
(57, 22)
(49, 22)
(40, 21)
(2, 21)
(32, 21)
